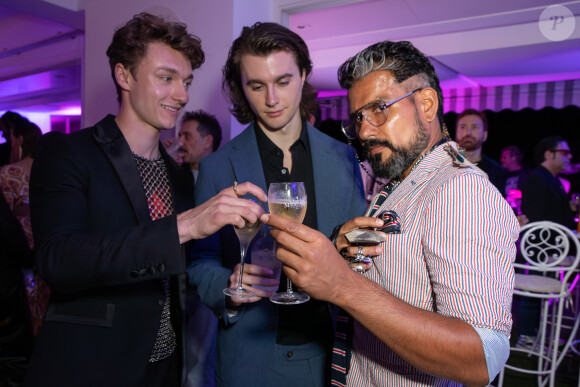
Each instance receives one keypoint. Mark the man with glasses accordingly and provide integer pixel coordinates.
(433, 308)
(543, 196)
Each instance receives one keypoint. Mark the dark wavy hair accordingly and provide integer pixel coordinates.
(400, 58)
(130, 42)
(262, 39)
(9, 120)
(30, 133)
(208, 124)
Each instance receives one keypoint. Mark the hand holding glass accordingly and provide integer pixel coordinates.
(245, 236)
(288, 200)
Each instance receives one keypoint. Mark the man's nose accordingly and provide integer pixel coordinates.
(180, 94)
(272, 97)
(366, 129)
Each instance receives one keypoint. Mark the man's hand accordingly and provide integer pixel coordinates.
(311, 260)
(254, 275)
(348, 251)
(223, 209)
(440, 345)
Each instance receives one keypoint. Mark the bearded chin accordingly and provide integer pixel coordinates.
(401, 158)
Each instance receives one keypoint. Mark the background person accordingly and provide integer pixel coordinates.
(199, 136)
(470, 133)
(15, 185)
(544, 198)
(8, 121)
(512, 160)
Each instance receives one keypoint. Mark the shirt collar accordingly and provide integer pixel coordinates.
(266, 145)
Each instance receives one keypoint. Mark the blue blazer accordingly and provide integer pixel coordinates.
(251, 334)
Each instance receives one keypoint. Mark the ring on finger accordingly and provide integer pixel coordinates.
(359, 256)
(236, 188)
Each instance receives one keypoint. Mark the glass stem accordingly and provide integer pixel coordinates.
(288, 286)
(242, 261)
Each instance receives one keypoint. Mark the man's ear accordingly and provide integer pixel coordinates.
(428, 104)
(208, 141)
(122, 76)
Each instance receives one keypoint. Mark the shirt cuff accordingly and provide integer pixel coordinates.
(496, 347)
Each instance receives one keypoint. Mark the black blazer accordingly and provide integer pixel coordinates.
(102, 257)
(544, 198)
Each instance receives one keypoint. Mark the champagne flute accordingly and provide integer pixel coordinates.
(245, 235)
(288, 200)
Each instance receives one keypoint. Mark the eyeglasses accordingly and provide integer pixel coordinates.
(375, 112)
(565, 152)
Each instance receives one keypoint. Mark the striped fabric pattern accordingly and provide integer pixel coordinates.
(341, 350)
(453, 256)
(556, 94)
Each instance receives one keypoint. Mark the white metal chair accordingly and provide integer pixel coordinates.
(551, 253)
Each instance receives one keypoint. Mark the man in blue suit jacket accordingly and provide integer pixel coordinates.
(261, 343)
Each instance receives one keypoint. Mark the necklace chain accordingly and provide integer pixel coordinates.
(394, 183)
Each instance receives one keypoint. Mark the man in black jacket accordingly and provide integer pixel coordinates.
(111, 215)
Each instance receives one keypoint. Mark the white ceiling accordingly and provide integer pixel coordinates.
(471, 42)
(41, 48)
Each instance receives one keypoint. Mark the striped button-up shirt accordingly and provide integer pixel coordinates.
(453, 256)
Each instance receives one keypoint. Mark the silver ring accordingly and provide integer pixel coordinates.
(236, 188)
(359, 256)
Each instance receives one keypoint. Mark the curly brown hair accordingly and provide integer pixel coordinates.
(130, 42)
(262, 39)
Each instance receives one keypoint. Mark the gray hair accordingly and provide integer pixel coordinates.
(402, 59)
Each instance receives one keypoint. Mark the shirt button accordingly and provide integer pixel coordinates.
(283, 171)
(289, 354)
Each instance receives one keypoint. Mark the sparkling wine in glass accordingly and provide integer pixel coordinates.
(288, 200)
(245, 236)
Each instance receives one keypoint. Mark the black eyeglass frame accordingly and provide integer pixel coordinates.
(565, 152)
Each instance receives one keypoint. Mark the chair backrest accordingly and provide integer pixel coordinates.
(549, 247)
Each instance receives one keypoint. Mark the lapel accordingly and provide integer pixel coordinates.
(110, 139)
(245, 160)
(323, 157)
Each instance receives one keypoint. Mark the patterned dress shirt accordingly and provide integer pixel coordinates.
(453, 256)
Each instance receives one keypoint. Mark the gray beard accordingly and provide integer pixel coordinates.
(401, 158)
